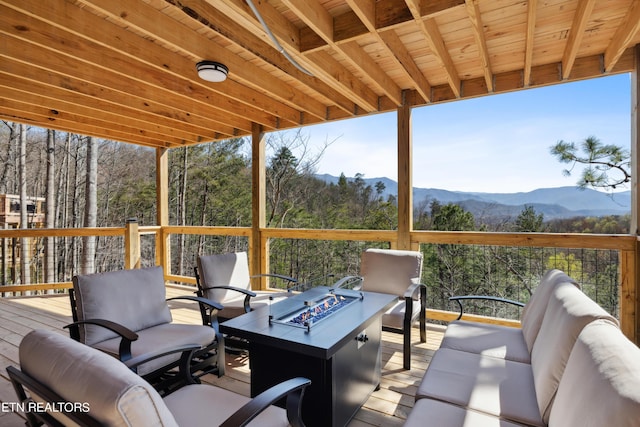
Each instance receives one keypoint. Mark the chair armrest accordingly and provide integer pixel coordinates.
(276, 276)
(293, 389)
(345, 280)
(232, 288)
(459, 300)
(413, 289)
(127, 335)
(200, 300)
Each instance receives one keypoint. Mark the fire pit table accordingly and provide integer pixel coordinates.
(330, 336)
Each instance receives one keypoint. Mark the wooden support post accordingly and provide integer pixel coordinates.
(132, 245)
(163, 246)
(258, 250)
(634, 281)
(405, 180)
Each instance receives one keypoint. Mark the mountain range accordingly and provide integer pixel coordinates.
(553, 203)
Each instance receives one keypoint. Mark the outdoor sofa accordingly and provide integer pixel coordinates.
(568, 365)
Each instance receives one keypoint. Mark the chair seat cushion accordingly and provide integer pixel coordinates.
(446, 414)
(202, 397)
(234, 304)
(162, 336)
(489, 340)
(498, 387)
(394, 316)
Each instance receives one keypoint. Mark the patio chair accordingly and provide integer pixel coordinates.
(395, 272)
(225, 278)
(61, 382)
(125, 314)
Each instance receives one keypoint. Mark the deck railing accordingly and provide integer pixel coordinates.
(152, 246)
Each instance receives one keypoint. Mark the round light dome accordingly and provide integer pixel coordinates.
(212, 71)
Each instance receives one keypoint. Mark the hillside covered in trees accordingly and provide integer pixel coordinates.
(210, 184)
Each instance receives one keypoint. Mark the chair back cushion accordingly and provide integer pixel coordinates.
(230, 269)
(134, 298)
(112, 394)
(390, 271)
(534, 310)
(601, 383)
(568, 312)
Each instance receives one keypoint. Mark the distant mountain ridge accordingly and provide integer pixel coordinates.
(553, 203)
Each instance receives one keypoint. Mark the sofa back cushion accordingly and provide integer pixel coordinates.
(601, 382)
(133, 298)
(229, 269)
(390, 271)
(535, 308)
(112, 394)
(568, 312)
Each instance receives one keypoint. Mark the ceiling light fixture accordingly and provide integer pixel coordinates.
(212, 71)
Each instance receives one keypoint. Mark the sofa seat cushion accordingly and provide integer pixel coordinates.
(489, 340)
(568, 312)
(120, 398)
(182, 402)
(600, 386)
(495, 386)
(437, 413)
(153, 339)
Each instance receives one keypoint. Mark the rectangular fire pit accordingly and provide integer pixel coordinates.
(317, 309)
(330, 336)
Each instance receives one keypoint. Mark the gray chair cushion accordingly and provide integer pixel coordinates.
(491, 385)
(134, 298)
(115, 395)
(390, 271)
(600, 386)
(568, 312)
(201, 405)
(228, 269)
(160, 336)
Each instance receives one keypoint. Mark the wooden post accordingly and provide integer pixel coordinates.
(163, 246)
(258, 249)
(634, 281)
(132, 245)
(405, 180)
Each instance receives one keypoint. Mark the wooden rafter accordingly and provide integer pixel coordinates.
(576, 33)
(623, 37)
(429, 29)
(478, 34)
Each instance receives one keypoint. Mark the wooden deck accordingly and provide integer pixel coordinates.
(388, 406)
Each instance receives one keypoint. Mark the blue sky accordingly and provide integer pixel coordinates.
(498, 143)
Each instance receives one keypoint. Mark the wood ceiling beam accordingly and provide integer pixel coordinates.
(242, 73)
(478, 34)
(260, 47)
(576, 33)
(111, 86)
(366, 12)
(55, 109)
(623, 37)
(532, 9)
(317, 18)
(429, 29)
(61, 32)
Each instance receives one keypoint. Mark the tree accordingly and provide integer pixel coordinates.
(529, 221)
(50, 190)
(608, 166)
(87, 265)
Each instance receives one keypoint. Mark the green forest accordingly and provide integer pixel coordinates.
(210, 184)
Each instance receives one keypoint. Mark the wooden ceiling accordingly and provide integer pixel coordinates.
(125, 69)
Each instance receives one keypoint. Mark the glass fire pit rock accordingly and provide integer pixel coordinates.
(317, 309)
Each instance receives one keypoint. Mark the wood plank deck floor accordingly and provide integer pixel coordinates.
(388, 406)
